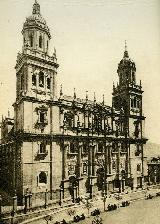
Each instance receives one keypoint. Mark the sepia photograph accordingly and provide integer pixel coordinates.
(79, 111)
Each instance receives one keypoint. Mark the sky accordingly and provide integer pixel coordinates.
(89, 37)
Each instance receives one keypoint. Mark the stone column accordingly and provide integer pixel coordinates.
(142, 157)
(90, 160)
(14, 205)
(134, 183)
(46, 199)
(79, 164)
(106, 168)
(118, 168)
(26, 202)
(93, 160)
(110, 159)
(79, 160)
(64, 161)
(120, 185)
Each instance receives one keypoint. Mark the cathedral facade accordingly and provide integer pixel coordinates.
(63, 144)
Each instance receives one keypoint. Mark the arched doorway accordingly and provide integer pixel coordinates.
(100, 178)
(73, 187)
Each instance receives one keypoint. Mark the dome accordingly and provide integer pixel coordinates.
(36, 20)
(126, 60)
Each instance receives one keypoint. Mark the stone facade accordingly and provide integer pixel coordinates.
(64, 144)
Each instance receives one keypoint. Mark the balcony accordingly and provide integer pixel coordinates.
(40, 124)
(41, 155)
(137, 153)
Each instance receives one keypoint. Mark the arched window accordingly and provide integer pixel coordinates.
(48, 83)
(42, 148)
(31, 40)
(34, 80)
(43, 178)
(41, 79)
(40, 41)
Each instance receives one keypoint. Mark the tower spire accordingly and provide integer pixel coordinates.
(36, 8)
(86, 96)
(103, 99)
(74, 95)
(94, 97)
(125, 51)
(125, 45)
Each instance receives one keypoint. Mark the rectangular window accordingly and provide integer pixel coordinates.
(42, 178)
(34, 80)
(41, 79)
(71, 169)
(42, 148)
(42, 117)
(138, 167)
(73, 147)
(84, 168)
(85, 148)
(135, 102)
(100, 147)
(48, 83)
(131, 102)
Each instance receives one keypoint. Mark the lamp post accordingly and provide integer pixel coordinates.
(14, 204)
(30, 200)
(60, 191)
(46, 198)
(27, 201)
(91, 186)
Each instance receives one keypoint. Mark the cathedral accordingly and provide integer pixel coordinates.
(64, 145)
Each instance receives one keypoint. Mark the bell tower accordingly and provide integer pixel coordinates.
(36, 72)
(127, 96)
(36, 112)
